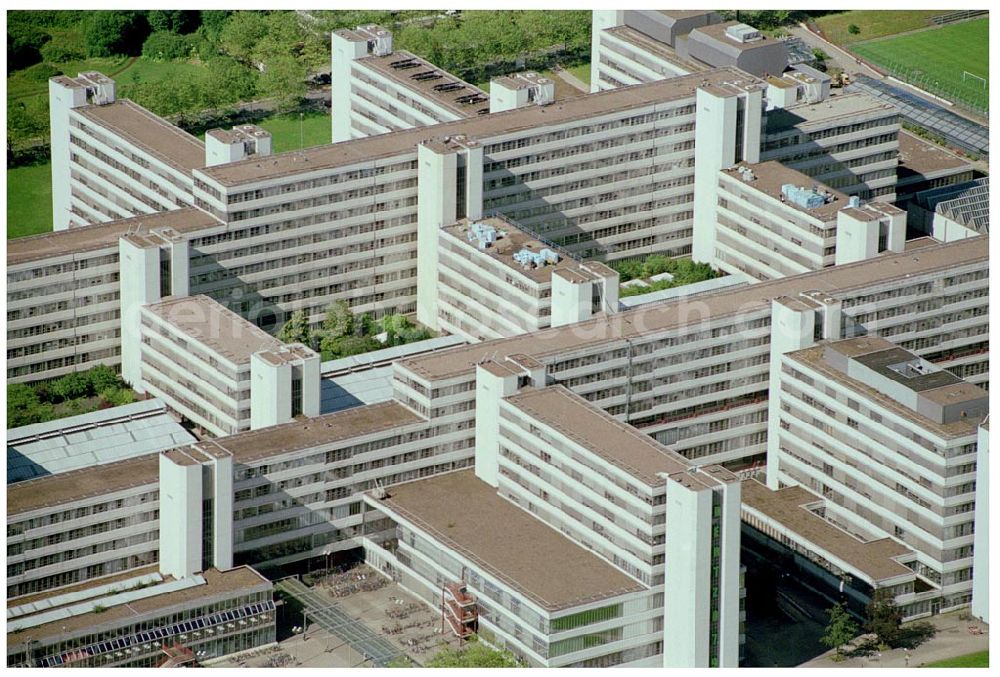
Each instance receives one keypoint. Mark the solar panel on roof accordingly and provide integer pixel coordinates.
(98, 437)
(107, 602)
(956, 129)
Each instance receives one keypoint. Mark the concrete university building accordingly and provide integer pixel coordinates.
(567, 474)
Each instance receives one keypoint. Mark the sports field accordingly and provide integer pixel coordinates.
(935, 60)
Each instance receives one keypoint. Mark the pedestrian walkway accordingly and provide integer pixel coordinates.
(333, 619)
(954, 637)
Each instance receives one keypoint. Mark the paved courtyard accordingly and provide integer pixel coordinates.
(389, 612)
(953, 638)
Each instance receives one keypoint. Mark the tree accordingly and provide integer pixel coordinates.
(475, 654)
(26, 119)
(108, 33)
(344, 346)
(883, 617)
(339, 320)
(116, 397)
(296, 329)
(399, 329)
(229, 81)
(853, 29)
(656, 264)
(71, 386)
(841, 629)
(22, 405)
(102, 377)
(64, 50)
(284, 79)
(212, 23)
(166, 46)
(628, 270)
(173, 20)
(240, 35)
(23, 45)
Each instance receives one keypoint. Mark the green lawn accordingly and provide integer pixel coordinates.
(34, 80)
(285, 134)
(873, 23)
(29, 200)
(29, 189)
(147, 71)
(582, 71)
(980, 659)
(935, 59)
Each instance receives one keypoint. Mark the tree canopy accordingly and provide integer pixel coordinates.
(841, 628)
(474, 654)
(75, 393)
(107, 33)
(883, 617)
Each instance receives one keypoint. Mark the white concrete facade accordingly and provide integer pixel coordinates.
(849, 142)
(981, 544)
(241, 142)
(114, 159)
(727, 133)
(485, 291)
(376, 90)
(539, 166)
(921, 490)
(212, 366)
(773, 221)
(284, 384)
(702, 595)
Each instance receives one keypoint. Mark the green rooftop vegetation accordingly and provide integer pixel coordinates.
(82, 392)
(342, 334)
(684, 271)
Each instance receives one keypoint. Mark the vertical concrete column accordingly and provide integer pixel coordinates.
(600, 20)
(219, 151)
(473, 180)
(793, 326)
(687, 576)
(344, 49)
(702, 556)
(729, 496)
(222, 513)
(753, 107)
(179, 251)
(494, 382)
(436, 205)
(610, 289)
(270, 391)
(897, 230)
(180, 516)
(311, 385)
(981, 543)
(64, 95)
(715, 148)
(571, 298)
(857, 238)
(139, 273)
(719, 144)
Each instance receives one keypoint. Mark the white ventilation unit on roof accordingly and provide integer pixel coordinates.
(379, 39)
(743, 33)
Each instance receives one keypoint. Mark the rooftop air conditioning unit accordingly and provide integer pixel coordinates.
(743, 33)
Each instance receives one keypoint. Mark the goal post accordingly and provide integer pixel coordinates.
(966, 75)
